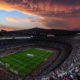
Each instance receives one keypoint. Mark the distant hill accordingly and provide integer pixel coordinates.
(38, 31)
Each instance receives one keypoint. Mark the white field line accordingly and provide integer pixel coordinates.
(45, 49)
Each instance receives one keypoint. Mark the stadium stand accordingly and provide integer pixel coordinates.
(70, 69)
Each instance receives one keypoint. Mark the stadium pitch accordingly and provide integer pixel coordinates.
(25, 62)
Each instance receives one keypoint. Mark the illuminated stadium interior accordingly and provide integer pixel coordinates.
(31, 58)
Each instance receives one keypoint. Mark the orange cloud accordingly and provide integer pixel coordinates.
(47, 11)
(11, 19)
(6, 29)
(35, 8)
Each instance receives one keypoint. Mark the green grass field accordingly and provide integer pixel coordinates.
(25, 62)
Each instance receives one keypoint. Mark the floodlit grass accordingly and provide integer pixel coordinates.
(25, 62)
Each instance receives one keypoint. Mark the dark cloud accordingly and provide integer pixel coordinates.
(55, 24)
(13, 1)
(72, 13)
(64, 2)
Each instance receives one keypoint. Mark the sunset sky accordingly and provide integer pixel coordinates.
(49, 14)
